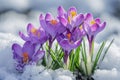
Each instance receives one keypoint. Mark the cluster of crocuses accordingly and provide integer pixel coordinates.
(68, 28)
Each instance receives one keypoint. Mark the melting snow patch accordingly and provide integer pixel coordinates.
(112, 74)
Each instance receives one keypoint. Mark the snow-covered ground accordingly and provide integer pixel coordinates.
(14, 17)
(109, 69)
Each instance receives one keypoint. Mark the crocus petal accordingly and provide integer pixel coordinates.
(41, 17)
(87, 28)
(49, 28)
(77, 34)
(28, 48)
(17, 50)
(52, 29)
(38, 56)
(61, 11)
(78, 20)
(102, 26)
(63, 21)
(24, 37)
(48, 17)
(34, 40)
(66, 45)
(43, 24)
(60, 29)
(43, 35)
(94, 27)
(97, 20)
(88, 17)
(60, 37)
(72, 10)
(29, 27)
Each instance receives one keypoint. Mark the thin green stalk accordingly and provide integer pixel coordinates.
(84, 56)
(98, 56)
(107, 49)
(92, 51)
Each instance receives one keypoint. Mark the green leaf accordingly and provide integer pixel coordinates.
(92, 52)
(77, 55)
(44, 61)
(84, 56)
(76, 58)
(107, 50)
(84, 48)
(59, 58)
(53, 55)
(71, 57)
(98, 56)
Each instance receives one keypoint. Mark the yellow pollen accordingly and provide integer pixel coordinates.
(73, 13)
(81, 27)
(69, 35)
(92, 22)
(25, 57)
(53, 22)
(34, 31)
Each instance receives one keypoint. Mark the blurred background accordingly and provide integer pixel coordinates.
(16, 14)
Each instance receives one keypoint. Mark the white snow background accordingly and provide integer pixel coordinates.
(16, 14)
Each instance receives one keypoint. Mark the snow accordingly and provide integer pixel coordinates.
(112, 74)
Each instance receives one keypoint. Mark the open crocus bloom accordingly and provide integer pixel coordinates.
(70, 40)
(26, 55)
(51, 25)
(92, 27)
(70, 19)
(34, 35)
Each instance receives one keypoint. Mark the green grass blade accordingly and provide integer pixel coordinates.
(84, 56)
(98, 56)
(71, 60)
(54, 58)
(84, 48)
(107, 50)
(77, 55)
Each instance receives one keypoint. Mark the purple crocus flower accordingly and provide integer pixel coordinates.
(26, 55)
(70, 19)
(92, 27)
(52, 26)
(70, 40)
(38, 36)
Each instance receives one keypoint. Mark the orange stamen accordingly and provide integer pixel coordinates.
(25, 57)
(69, 35)
(34, 31)
(53, 22)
